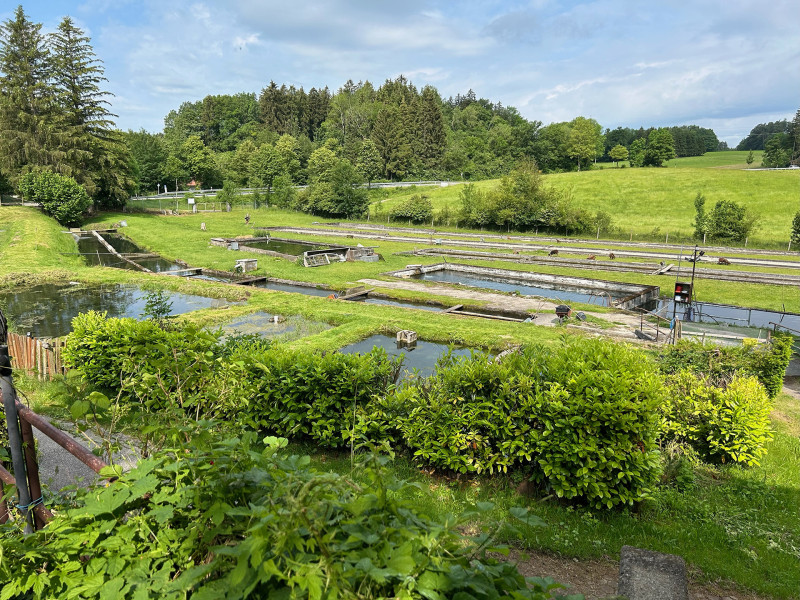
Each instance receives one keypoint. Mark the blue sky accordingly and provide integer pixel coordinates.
(724, 64)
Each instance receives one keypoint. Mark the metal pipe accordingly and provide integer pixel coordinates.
(32, 467)
(39, 509)
(15, 437)
(61, 438)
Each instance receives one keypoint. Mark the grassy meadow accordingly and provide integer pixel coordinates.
(649, 203)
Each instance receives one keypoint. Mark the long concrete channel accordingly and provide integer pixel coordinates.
(598, 244)
(625, 267)
(530, 247)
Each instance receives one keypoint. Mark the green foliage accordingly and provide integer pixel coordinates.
(719, 364)
(335, 190)
(417, 209)
(288, 392)
(145, 364)
(727, 221)
(523, 202)
(61, 197)
(304, 394)
(778, 151)
(795, 236)
(731, 221)
(727, 423)
(618, 153)
(579, 420)
(157, 307)
(660, 147)
(238, 519)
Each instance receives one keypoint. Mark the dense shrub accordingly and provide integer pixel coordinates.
(61, 197)
(767, 362)
(580, 419)
(144, 363)
(417, 209)
(287, 392)
(723, 424)
(304, 394)
(238, 520)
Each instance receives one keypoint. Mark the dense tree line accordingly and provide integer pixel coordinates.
(54, 114)
(688, 140)
(395, 131)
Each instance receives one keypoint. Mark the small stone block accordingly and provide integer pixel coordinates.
(646, 575)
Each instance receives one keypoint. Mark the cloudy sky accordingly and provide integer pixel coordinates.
(724, 64)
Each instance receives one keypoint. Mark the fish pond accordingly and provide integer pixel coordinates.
(292, 327)
(47, 310)
(418, 360)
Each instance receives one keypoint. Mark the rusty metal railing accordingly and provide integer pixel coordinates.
(20, 421)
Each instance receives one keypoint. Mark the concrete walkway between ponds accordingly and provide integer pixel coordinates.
(626, 322)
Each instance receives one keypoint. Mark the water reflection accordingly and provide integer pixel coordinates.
(47, 310)
(422, 357)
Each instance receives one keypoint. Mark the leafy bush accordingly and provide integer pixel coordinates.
(581, 420)
(236, 519)
(61, 197)
(144, 363)
(727, 221)
(417, 209)
(288, 392)
(722, 424)
(302, 394)
(767, 362)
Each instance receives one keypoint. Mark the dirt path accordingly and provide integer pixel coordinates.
(598, 578)
(625, 323)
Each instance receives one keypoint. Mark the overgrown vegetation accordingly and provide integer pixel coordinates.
(242, 519)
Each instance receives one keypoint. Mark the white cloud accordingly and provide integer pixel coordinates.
(622, 63)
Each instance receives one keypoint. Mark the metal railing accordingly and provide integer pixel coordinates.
(20, 421)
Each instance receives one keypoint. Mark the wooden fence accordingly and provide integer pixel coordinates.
(35, 356)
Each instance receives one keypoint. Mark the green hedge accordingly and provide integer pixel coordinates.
(286, 392)
(767, 362)
(723, 424)
(304, 394)
(144, 363)
(580, 419)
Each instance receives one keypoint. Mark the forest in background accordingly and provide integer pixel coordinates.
(55, 116)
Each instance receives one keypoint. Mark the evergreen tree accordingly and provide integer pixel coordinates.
(431, 138)
(96, 151)
(31, 134)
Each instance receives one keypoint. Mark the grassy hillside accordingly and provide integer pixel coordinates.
(649, 203)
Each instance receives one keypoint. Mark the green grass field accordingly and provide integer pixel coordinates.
(651, 203)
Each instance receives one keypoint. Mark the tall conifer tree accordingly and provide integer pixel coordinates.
(96, 152)
(30, 132)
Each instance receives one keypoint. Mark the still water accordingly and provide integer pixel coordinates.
(706, 312)
(422, 357)
(503, 284)
(295, 249)
(95, 254)
(47, 310)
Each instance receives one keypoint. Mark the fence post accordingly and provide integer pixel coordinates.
(14, 434)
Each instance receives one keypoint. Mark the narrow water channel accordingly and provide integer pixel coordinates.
(563, 293)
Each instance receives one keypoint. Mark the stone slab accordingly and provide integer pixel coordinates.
(647, 575)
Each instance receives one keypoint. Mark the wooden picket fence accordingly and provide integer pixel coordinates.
(36, 356)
